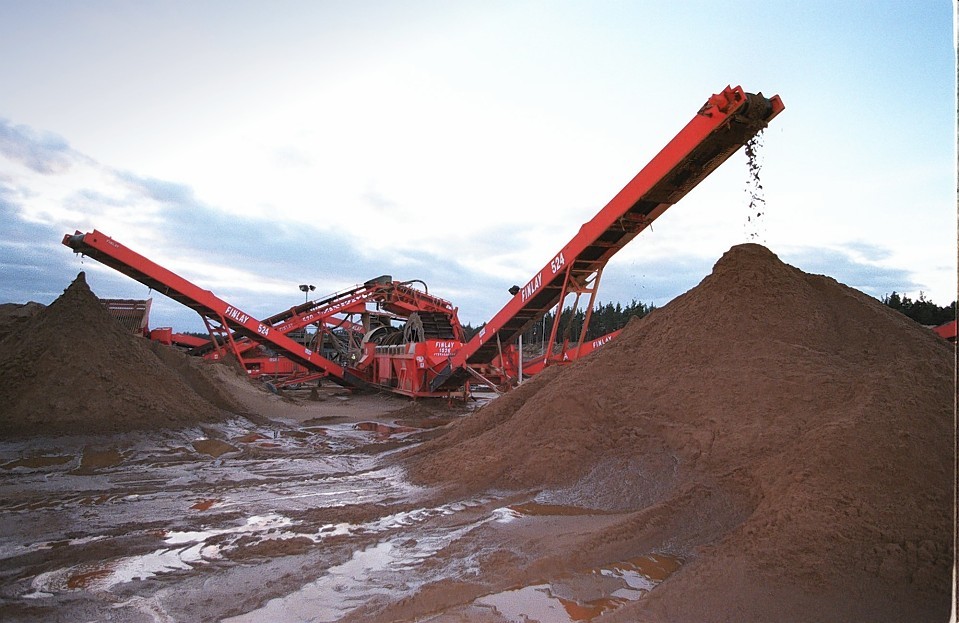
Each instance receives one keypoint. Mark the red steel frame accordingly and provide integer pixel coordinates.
(722, 126)
(323, 312)
(211, 308)
(433, 367)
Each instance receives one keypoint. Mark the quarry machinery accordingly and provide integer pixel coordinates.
(428, 355)
(725, 123)
(343, 323)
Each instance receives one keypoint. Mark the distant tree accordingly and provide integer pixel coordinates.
(469, 330)
(921, 310)
(605, 319)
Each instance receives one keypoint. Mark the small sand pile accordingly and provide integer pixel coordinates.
(789, 437)
(15, 315)
(71, 369)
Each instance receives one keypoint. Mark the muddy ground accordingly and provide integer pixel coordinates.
(300, 516)
(139, 484)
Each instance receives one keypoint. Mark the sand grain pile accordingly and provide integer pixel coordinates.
(788, 436)
(15, 315)
(71, 369)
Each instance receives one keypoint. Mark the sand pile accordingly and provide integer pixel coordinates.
(789, 437)
(15, 315)
(71, 369)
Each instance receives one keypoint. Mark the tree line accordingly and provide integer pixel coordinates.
(609, 317)
(606, 318)
(921, 310)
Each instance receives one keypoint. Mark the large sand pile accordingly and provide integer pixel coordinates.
(71, 369)
(791, 438)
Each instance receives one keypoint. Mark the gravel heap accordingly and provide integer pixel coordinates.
(71, 369)
(789, 437)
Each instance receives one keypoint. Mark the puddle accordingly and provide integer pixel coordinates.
(184, 550)
(99, 577)
(213, 447)
(382, 570)
(9, 551)
(187, 517)
(583, 597)
(266, 523)
(99, 459)
(654, 568)
(406, 519)
(189, 549)
(249, 438)
(36, 462)
(384, 430)
(98, 499)
(296, 434)
(538, 509)
(83, 579)
(316, 430)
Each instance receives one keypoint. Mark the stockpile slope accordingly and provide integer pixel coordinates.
(789, 436)
(71, 369)
(13, 314)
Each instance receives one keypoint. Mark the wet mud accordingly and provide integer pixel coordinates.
(247, 522)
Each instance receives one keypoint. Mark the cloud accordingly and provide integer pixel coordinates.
(856, 265)
(257, 263)
(254, 263)
(28, 274)
(158, 190)
(867, 251)
(44, 153)
(656, 280)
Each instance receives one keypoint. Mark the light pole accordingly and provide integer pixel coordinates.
(306, 289)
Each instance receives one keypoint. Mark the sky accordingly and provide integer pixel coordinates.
(255, 146)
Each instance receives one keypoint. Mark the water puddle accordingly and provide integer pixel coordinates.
(384, 431)
(538, 509)
(406, 519)
(37, 462)
(583, 597)
(11, 550)
(249, 438)
(93, 459)
(213, 447)
(215, 503)
(183, 551)
(385, 570)
(99, 577)
(167, 480)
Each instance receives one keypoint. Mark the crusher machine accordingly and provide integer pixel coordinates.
(427, 354)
